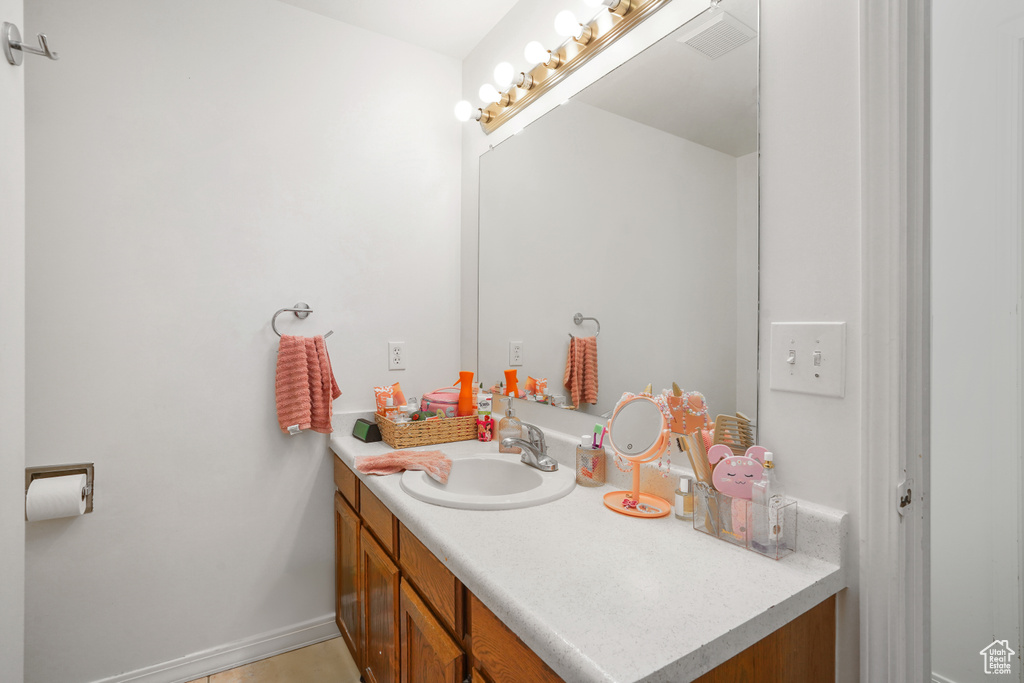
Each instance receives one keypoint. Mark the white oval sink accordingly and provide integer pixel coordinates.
(490, 482)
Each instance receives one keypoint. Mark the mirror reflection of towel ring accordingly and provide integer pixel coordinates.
(639, 433)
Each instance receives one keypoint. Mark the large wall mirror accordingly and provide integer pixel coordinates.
(635, 203)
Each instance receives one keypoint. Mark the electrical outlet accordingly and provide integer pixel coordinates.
(396, 355)
(808, 358)
(515, 353)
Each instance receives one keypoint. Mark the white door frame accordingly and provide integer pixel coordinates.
(1011, 195)
(895, 549)
(894, 584)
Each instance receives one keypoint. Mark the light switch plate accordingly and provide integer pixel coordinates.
(808, 358)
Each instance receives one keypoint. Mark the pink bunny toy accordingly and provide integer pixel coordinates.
(735, 474)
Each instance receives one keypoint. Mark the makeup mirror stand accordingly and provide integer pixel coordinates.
(646, 505)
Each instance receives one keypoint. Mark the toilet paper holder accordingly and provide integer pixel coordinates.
(86, 468)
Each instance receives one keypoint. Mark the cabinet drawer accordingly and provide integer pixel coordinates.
(499, 652)
(379, 519)
(345, 480)
(432, 579)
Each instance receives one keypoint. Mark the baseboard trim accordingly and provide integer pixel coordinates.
(230, 655)
(939, 678)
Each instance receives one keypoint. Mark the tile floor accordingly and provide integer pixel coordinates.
(320, 663)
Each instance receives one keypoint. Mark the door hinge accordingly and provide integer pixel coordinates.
(904, 496)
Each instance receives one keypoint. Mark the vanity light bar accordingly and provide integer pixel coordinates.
(552, 66)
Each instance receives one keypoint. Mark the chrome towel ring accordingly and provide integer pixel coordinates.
(578, 319)
(301, 310)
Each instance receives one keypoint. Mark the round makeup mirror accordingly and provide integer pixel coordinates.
(635, 428)
(639, 432)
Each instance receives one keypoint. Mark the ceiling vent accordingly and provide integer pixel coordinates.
(720, 34)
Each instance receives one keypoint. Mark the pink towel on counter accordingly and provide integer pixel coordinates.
(304, 386)
(581, 370)
(436, 464)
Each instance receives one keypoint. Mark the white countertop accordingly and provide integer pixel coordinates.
(600, 596)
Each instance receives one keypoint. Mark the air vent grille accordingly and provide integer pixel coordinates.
(719, 35)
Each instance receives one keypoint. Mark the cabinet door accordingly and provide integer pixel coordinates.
(428, 653)
(346, 573)
(379, 581)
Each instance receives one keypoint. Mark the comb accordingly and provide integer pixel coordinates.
(735, 432)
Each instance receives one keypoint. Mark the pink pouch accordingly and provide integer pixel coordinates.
(446, 399)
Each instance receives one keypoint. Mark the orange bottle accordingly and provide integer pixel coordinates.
(511, 383)
(466, 386)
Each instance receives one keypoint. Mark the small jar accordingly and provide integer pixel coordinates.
(684, 498)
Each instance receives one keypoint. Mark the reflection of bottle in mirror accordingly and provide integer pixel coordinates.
(769, 496)
(509, 428)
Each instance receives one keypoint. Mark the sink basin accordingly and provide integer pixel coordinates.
(490, 482)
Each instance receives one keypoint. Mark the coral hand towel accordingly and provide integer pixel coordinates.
(304, 387)
(436, 464)
(581, 370)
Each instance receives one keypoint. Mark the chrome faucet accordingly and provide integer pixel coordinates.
(535, 451)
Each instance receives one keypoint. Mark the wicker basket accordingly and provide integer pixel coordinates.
(409, 434)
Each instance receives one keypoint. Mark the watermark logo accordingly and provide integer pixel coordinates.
(998, 658)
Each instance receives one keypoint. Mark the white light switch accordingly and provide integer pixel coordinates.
(808, 358)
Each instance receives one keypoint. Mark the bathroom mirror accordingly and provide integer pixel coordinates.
(634, 203)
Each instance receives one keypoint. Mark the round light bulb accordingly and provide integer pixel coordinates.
(503, 75)
(488, 93)
(567, 25)
(535, 53)
(463, 110)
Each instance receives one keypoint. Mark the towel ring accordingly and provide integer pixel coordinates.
(578, 319)
(301, 310)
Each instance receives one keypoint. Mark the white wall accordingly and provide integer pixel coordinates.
(976, 256)
(810, 241)
(12, 358)
(810, 264)
(195, 166)
(578, 245)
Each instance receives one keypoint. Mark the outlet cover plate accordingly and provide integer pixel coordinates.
(808, 358)
(396, 355)
(515, 353)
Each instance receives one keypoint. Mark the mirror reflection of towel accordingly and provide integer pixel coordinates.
(581, 370)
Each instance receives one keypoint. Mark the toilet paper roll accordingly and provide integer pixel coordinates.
(54, 497)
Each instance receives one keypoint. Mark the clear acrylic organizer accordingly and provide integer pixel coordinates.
(768, 531)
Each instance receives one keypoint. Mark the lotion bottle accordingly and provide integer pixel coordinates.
(510, 427)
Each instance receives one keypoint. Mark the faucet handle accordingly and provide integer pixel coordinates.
(536, 436)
